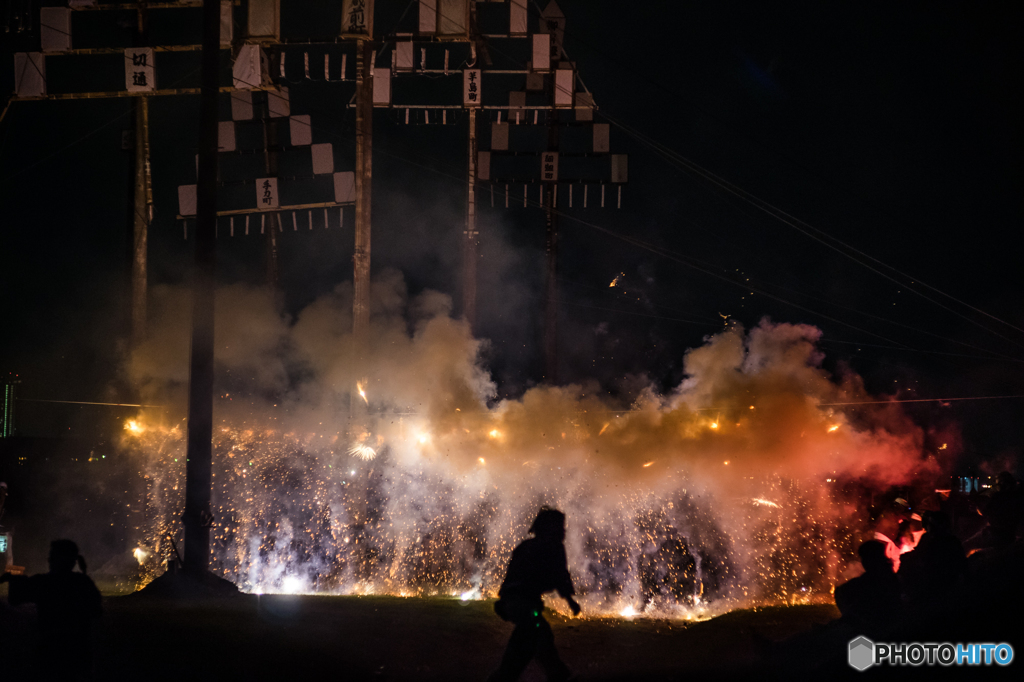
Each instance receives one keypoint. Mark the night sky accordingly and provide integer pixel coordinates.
(892, 128)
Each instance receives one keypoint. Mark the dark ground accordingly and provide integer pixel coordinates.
(388, 638)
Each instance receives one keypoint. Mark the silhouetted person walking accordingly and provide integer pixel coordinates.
(870, 603)
(538, 565)
(66, 603)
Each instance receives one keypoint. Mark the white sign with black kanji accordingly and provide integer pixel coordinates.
(139, 71)
(549, 167)
(471, 91)
(266, 193)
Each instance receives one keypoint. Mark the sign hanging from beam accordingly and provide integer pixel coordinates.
(357, 17)
(266, 193)
(471, 91)
(549, 166)
(139, 70)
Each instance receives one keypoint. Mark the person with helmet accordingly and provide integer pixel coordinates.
(538, 565)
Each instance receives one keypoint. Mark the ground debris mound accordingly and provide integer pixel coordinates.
(187, 586)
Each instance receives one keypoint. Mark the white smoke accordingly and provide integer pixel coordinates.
(719, 486)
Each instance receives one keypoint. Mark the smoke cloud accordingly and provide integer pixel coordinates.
(394, 468)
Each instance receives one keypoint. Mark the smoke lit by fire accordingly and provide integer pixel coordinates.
(709, 495)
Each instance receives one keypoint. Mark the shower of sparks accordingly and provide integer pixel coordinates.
(615, 282)
(292, 517)
(362, 451)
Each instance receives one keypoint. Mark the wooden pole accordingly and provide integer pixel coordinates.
(364, 174)
(470, 244)
(199, 453)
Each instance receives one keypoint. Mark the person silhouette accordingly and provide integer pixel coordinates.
(538, 565)
(66, 603)
(870, 603)
(937, 567)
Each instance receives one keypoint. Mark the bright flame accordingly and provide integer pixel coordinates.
(481, 460)
(494, 433)
(834, 427)
(471, 595)
(615, 281)
(762, 502)
(714, 425)
(362, 393)
(140, 555)
(423, 438)
(942, 447)
(647, 464)
(291, 585)
(627, 612)
(134, 426)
